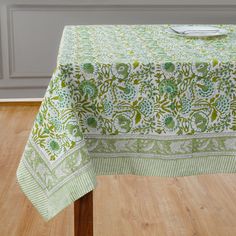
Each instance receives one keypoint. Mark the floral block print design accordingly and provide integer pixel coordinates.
(120, 45)
(131, 99)
(170, 147)
(50, 177)
(139, 94)
(143, 102)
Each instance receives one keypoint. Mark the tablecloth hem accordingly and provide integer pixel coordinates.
(165, 168)
(49, 206)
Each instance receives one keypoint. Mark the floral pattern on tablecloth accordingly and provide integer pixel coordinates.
(173, 99)
(131, 100)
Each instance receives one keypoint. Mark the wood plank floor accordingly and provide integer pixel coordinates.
(123, 205)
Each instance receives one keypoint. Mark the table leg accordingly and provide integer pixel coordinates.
(83, 215)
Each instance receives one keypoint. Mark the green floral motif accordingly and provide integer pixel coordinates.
(146, 107)
(108, 107)
(168, 86)
(223, 104)
(73, 131)
(89, 68)
(66, 70)
(63, 98)
(121, 70)
(54, 147)
(169, 122)
(202, 68)
(91, 121)
(88, 88)
(56, 123)
(199, 121)
(122, 123)
(205, 88)
(169, 67)
(172, 106)
(129, 92)
(185, 105)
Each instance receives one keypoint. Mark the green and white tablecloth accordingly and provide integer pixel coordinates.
(131, 100)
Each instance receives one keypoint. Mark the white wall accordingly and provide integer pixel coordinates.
(31, 31)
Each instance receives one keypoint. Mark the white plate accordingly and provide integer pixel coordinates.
(198, 31)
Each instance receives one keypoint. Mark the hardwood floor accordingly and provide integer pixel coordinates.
(123, 205)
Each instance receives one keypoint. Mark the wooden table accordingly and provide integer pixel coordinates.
(83, 215)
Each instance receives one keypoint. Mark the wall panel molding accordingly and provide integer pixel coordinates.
(11, 46)
(1, 66)
(31, 59)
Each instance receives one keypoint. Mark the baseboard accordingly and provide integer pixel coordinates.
(21, 102)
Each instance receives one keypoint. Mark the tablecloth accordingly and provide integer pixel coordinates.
(134, 99)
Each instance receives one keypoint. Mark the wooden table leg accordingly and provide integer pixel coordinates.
(83, 215)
